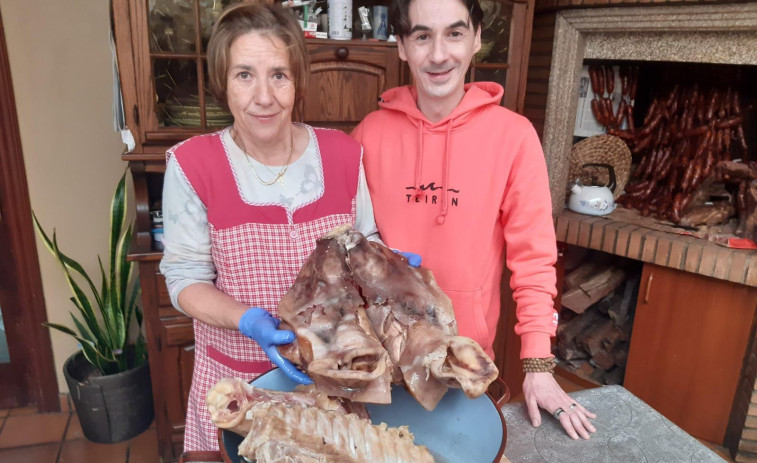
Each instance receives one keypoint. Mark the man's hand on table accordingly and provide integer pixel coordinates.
(542, 390)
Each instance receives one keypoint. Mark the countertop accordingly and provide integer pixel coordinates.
(628, 430)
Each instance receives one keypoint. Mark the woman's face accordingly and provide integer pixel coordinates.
(260, 87)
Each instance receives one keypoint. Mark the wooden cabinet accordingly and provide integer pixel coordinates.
(171, 353)
(347, 79)
(163, 67)
(689, 338)
(161, 47)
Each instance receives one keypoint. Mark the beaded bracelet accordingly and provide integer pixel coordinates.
(538, 365)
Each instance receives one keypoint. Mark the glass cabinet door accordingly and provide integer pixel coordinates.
(505, 33)
(490, 63)
(178, 33)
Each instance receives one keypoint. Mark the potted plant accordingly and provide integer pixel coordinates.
(109, 378)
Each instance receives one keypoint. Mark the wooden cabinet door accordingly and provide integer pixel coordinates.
(689, 338)
(170, 345)
(178, 360)
(505, 44)
(346, 81)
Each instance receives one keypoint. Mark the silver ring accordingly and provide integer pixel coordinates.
(558, 412)
(573, 406)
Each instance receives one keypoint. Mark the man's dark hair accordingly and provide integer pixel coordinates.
(400, 19)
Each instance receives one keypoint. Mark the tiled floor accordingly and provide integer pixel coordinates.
(30, 437)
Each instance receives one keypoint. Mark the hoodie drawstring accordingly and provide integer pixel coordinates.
(419, 194)
(404, 100)
(445, 173)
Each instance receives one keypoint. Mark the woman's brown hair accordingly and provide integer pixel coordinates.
(241, 18)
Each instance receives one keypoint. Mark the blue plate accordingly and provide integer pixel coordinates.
(458, 429)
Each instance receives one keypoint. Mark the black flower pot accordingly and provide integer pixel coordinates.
(111, 408)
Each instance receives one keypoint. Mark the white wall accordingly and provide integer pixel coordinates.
(61, 69)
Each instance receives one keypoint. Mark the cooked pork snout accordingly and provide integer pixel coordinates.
(232, 401)
(227, 403)
(336, 344)
(464, 365)
(415, 321)
(231, 398)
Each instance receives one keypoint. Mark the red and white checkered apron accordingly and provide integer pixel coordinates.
(258, 251)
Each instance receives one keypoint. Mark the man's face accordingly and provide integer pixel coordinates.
(439, 47)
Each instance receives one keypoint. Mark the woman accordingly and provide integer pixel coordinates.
(243, 207)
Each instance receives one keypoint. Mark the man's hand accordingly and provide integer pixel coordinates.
(541, 390)
(262, 327)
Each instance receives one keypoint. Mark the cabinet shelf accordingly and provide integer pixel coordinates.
(145, 256)
(369, 42)
(492, 66)
(137, 157)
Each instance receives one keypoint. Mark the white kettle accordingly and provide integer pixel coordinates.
(593, 199)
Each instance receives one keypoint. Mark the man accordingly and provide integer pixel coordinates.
(457, 178)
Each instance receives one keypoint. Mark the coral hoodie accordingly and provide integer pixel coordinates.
(458, 192)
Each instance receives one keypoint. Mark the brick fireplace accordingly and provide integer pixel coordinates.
(715, 34)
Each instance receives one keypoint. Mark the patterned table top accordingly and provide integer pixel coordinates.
(628, 430)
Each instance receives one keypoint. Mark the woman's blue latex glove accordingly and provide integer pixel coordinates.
(261, 326)
(413, 259)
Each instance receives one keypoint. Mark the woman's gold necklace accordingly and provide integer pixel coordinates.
(280, 176)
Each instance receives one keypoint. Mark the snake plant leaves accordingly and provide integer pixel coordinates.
(105, 316)
(117, 238)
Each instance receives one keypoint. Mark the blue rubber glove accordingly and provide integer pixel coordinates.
(261, 326)
(413, 259)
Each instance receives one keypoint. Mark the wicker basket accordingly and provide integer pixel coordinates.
(602, 149)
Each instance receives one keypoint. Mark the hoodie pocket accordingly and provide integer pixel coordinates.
(470, 315)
